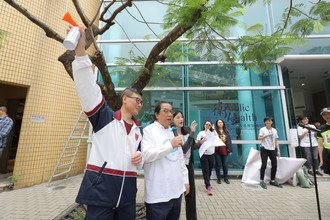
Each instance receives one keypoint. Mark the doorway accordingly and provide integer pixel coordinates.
(307, 82)
(13, 97)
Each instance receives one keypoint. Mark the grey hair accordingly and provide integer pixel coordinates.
(129, 91)
(3, 108)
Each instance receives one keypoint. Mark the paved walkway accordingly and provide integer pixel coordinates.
(233, 201)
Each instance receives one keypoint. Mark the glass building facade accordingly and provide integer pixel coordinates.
(204, 90)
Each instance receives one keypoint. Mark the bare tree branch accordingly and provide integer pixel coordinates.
(155, 56)
(80, 12)
(287, 18)
(49, 32)
(109, 22)
(106, 8)
(144, 21)
(134, 44)
(109, 88)
(96, 14)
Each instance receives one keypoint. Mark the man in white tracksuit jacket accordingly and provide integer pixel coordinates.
(109, 184)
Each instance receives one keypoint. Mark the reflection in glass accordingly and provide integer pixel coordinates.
(243, 119)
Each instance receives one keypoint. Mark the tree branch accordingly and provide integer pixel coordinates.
(106, 8)
(96, 14)
(49, 32)
(303, 13)
(287, 18)
(155, 56)
(80, 12)
(109, 22)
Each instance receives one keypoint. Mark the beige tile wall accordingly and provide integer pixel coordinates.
(28, 58)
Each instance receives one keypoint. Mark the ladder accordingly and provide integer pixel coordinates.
(69, 153)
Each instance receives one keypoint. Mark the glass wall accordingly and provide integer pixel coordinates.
(203, 89)
(211, 92)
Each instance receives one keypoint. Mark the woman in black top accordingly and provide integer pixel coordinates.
(188, 151)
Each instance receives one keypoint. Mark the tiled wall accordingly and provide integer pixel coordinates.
(28, 58)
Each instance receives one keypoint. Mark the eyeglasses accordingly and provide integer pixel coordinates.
(208, 124)
(166, 111)
(137, 99)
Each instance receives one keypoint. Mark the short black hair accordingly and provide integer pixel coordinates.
(300, 118)
(268, 119)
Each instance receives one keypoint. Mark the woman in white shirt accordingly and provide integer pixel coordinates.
(305, 145)
(207, 159)
(269, 148)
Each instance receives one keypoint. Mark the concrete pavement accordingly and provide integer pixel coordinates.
(233, 201)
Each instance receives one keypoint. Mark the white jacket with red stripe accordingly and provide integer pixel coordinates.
(110, 144)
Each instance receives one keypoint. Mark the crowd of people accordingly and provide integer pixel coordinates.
(165, 149)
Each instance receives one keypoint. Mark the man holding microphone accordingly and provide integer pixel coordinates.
(165, 172)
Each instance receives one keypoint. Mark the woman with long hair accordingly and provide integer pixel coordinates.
(207, 159)
(188, 152)
(221, 152)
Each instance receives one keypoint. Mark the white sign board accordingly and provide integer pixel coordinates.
(294, 142)
(211, 141)
(37, 118)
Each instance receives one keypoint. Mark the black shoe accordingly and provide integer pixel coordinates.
(226, 181)
(263, 184)
(310, 172)
(318, 173)
(275, 183)
(219, 181)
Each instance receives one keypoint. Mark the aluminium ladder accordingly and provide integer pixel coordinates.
(69, 153)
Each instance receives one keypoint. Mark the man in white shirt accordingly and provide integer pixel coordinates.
(165, 173)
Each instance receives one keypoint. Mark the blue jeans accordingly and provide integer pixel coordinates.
(221, 161)
(306, 152)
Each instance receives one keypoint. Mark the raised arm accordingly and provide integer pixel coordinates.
(89, 93)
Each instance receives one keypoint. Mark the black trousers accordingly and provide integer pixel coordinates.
(191, 213)
(164, 210)
(326, 161)
(264, 154)
(207, 163)
(107, 213)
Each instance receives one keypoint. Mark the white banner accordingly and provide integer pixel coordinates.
(211, 141)
(294, 138)
(286, 167)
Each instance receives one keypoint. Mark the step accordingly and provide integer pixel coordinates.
(78, 137)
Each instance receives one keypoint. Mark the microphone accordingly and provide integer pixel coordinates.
(175, 131)
(308, 128)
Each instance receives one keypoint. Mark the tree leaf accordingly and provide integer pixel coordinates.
(318, 27)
